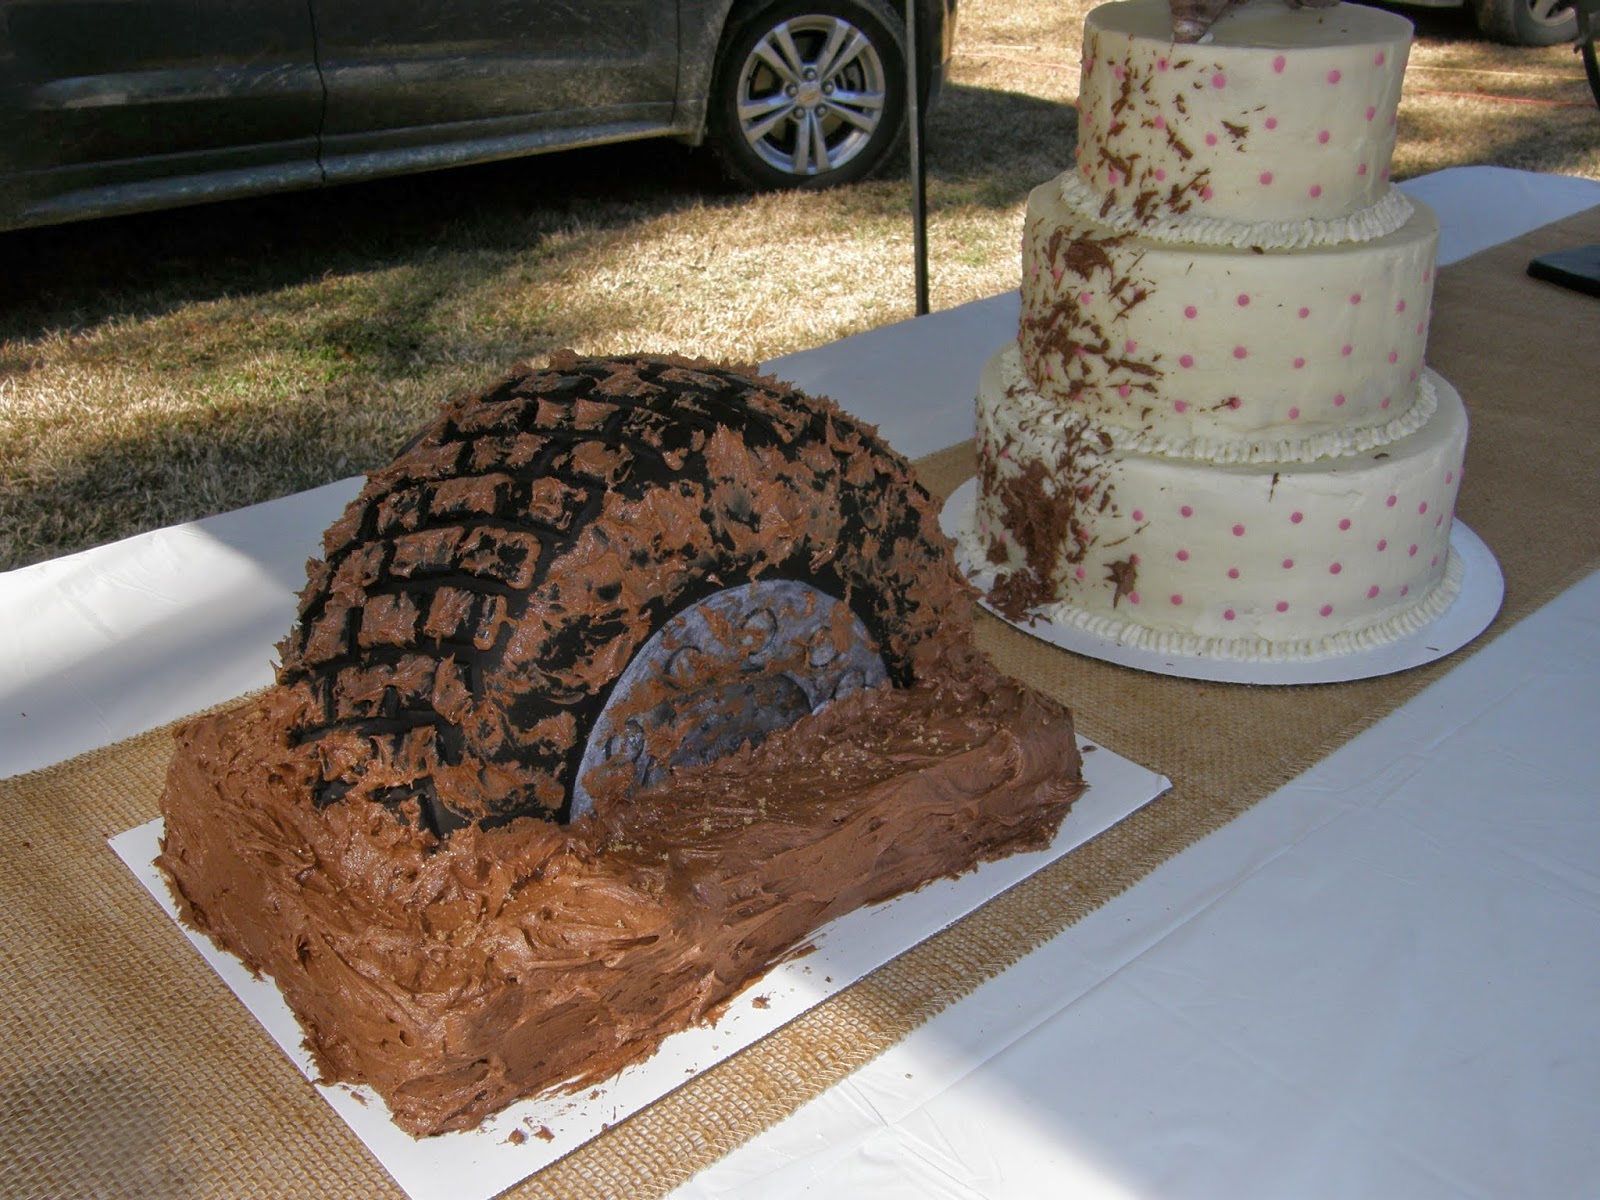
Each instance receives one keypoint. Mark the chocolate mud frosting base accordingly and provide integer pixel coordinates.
(455, 977)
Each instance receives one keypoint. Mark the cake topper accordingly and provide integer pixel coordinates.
(1192, 19)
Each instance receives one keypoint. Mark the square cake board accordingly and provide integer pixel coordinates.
(521, 1140)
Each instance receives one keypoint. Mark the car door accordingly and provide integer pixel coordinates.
(109, 105)
(434, 82)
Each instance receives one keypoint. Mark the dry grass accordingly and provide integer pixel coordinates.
(160, 368)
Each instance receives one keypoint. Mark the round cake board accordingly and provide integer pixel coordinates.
(1469, 614)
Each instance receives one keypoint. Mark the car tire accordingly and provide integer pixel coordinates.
(478, 605)
(787, 110)
(1527, 22)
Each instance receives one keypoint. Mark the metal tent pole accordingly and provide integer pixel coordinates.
(919, 193)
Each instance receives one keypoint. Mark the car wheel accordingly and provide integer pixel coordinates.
(591, 574)
(809, 93)
(1527, 22)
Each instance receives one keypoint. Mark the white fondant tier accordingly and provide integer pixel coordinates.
(1283, 114)
(1312, 558)
(1224, 354)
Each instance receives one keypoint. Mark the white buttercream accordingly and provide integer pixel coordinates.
(1334, 443)
(1379, 219)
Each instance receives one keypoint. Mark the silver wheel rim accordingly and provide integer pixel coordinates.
(1549, 12)
(811, 95)
(725, 672)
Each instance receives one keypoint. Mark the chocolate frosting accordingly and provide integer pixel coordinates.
(457, 976)
(372, 832)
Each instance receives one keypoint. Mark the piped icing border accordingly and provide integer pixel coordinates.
(1044, 422)
(1377, 220)
(1350, 641)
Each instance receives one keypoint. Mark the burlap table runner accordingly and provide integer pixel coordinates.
(128, 1069)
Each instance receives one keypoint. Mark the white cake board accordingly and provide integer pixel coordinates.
(1469, 614)
(523, 1139)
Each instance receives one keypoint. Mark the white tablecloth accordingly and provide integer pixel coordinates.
(1381, 981)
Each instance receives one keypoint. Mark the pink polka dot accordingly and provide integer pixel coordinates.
(1334, 568)
(1238, 531)
(1412, 552)
(1346, 349)
(1085, 297)
(1379, 59)
(1288, 564)
(1449, 477)
(1233, 402)
(1176, 599)
(1266, 178)
(1133, 597)
(1244, 300)
(1124, 390)
(1326, 610)
(1386, 402)
(1271, 122)
(1394, 357)
(1298, 363)
(1355, 297)
(1316, 190)
(1434, 561)
(1294, 414)
(1304, 313)
(1186, 361)
(1344, 523)
(1118, 71)
(1240, 352)
(1211, 139)
(1134, 559)
(1206, 193)
(1183, 556)
(1219, 80)
(1279, 63)
(1186, 511)
(1227, 614)
(1399, 306)
(1180, 406)
(1322, 137)
(1383, 544)
(1404, 588)
(1191, 311)
(1233, 572)
(1129, 346)
(1419, 327)
(1372, 592)
(1338, 401)
(1112, 177)
(1361, 168)
(1138, 514)
(1334, 76)
(1296, 517)
(1080, 573)
(1392, 501)
(1161, 175)
(1283, 606)
(1371, 112)
(1160, 122)
(1161, 64)
(1422, 508)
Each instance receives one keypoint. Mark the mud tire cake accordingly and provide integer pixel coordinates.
(392, 833)
(460, 636)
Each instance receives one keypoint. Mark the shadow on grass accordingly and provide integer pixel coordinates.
(983, 147)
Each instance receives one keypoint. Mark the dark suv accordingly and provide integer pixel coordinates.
(114, 106)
